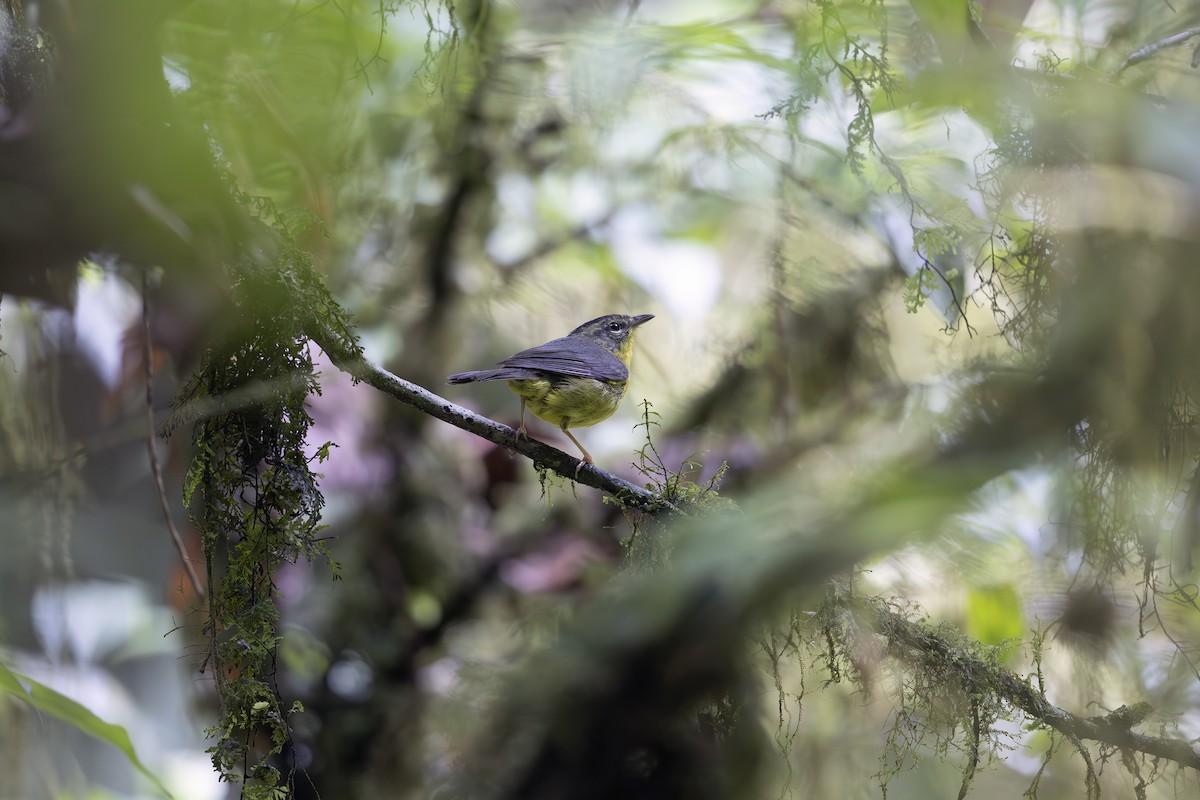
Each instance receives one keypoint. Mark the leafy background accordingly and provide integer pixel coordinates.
(922, 275)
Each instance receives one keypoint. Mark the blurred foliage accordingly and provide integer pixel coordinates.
(48, 701)
(921, 386)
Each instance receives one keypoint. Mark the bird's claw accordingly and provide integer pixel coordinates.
(585, 460)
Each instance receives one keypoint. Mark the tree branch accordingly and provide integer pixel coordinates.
(1113, 729)
(1147, 52)
(155, 466)
(509, 269)
(439, 407)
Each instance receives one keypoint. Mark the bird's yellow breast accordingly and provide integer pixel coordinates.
(570, 401)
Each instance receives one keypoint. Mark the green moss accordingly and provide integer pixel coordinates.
(651, 540)
(253, 494)
(945, 687)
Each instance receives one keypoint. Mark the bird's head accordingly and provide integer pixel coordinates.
(613, 332)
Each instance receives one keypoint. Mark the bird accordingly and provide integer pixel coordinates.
(571, 382)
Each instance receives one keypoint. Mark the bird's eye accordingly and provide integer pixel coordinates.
(614, 326)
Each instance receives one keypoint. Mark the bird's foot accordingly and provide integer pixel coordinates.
(585, 460)
(522, 433)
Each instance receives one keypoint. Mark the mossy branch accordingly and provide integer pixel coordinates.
(422, 399)
(1114, 729)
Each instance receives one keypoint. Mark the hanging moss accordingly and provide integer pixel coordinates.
(253, 494)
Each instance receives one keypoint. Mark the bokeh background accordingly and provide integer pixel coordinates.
(923, 277)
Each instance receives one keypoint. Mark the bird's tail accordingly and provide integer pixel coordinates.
(500, 374)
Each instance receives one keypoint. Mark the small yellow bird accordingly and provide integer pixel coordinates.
(574, 381)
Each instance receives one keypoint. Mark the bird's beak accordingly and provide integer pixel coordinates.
(639, 319)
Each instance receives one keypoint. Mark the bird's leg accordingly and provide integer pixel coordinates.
(587, 457)
(521, 432)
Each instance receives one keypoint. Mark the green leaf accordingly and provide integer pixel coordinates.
(48, 701)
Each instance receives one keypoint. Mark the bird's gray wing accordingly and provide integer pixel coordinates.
(570, 356)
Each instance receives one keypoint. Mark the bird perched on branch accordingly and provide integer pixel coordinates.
(574, 381)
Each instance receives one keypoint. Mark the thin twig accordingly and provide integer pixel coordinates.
(511, 268)
(631, 12)
(155, 467)
(1147, 52)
